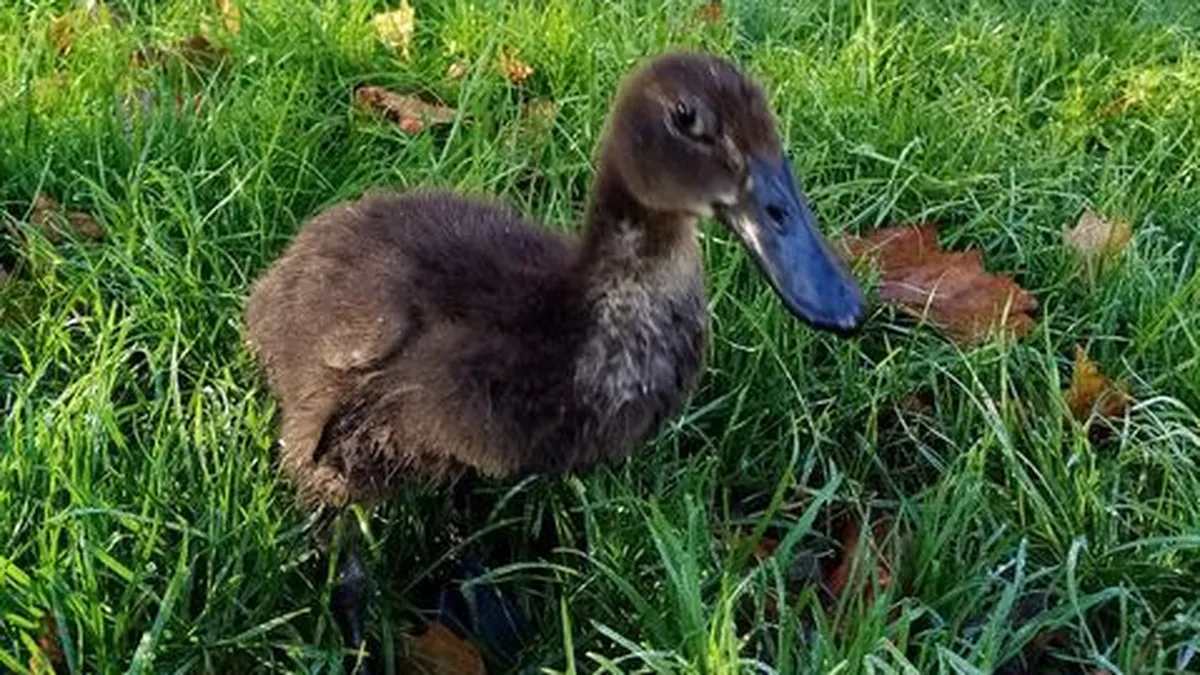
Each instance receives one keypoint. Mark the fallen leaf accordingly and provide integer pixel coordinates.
(64, 28)
(516, 70)
(50, 657)
(950, 289)
(539, 113)
(438, 651)
(395, 28)
(411, 114)
(1091, 391)
(1097, 239)
(86, 225)
(457, 70)
(710, 12)
(765, 548)
(195, 50)
(231, 15)
(55, 221)
(839, 578)
(200, 51)
(4, 275)
(62, 34)
(917, 404)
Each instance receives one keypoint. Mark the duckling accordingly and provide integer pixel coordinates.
(425, 333)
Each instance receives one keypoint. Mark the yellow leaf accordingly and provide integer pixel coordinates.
(231, 15)
(395, 28)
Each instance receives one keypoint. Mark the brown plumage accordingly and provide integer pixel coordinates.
(416, 334)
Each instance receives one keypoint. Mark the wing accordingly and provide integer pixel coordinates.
(364, 280)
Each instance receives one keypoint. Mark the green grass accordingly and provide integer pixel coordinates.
(138, 499)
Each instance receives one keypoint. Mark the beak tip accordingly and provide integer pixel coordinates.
(847, 321)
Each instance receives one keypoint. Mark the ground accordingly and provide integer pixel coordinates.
(141, 511)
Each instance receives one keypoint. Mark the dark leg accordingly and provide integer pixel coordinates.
(352, 585)
(349, 604)
(467, 603)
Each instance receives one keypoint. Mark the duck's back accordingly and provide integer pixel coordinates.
(383, 315)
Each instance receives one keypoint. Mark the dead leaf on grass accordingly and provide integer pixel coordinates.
(950, 289)
(710, 12)
(1098, 240)
(395, 28)
(231, 15)
(66, 27)
(516, 70)
(55, 221)
(200, 51)
(197, 51)
(50, 657)
(410, 113)
(438, 651)
(1091, 392)
(852, 539)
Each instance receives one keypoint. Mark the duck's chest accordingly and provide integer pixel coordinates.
(644, 351)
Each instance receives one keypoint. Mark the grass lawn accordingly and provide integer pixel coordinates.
(139, 504)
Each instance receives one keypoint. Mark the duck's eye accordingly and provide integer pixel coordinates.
(690, 124)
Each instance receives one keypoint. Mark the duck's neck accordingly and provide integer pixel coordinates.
(644, 288)
(623, 238)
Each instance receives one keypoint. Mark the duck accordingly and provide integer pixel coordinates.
(421, 334)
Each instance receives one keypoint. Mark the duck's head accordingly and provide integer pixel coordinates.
(690, 134)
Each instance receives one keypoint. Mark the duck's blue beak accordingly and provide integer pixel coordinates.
(774, 221)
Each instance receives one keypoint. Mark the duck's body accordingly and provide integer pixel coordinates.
(420, 333)
(410, 335)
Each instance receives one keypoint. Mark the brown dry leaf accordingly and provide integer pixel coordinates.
(1091, 391)
(395, 28)
(950, 289)
(231, 15)
(411, 114)
(55, 221)
(851, 537)
(196, 50)
(51, 658)
(64, 28)
(200, 51)
(438, 651)
(62, 34)
(710, 12)
(1098, 239)
(516, 70)
(86, 225)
